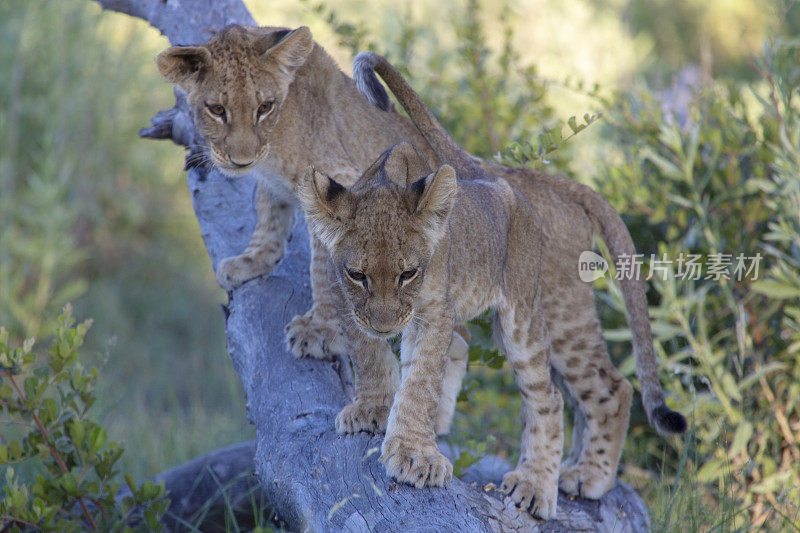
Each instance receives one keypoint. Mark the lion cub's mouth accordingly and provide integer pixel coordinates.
(231, 168)
(396, 330)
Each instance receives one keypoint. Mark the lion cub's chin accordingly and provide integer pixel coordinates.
(234, 172)
(384, 335)
(378, 334)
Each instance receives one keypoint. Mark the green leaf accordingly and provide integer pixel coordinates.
(741, 438)
(773, 483)
(775, 289)
(573, 124)
(14, 450)
(731, 388)
(77, 432)
(464, 461)
(51, 408)
(710, 471)
(97, 438)
(69, 483)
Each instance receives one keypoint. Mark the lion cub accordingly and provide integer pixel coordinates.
(418, 253)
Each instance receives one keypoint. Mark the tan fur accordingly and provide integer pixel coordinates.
(321, 119)
(417, 253)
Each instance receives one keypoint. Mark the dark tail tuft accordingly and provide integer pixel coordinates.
(368, 83)
(667, 421)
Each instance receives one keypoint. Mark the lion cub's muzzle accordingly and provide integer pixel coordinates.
(387, 323)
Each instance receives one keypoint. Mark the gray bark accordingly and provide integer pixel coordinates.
(315, 479)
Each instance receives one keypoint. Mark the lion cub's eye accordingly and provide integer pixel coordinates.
(265, 108)
(356, 276)
(407, 275)
(216, 110)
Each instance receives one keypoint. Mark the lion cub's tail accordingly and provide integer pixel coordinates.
(618, 239)
(365, 65)
(604, 216)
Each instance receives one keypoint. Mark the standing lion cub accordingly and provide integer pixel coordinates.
(418, 253)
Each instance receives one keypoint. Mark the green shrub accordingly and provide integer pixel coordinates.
(724, 180)
(71, 476)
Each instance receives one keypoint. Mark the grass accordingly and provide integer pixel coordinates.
(240, 512)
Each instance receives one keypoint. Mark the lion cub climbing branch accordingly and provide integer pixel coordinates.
(418, 252)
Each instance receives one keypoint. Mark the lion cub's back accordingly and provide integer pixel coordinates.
(497, 237)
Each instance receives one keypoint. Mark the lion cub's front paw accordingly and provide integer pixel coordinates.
(234, 271)
(307, 336)
(361, 416)
(584, 480)
(532, 491)
(421, 465)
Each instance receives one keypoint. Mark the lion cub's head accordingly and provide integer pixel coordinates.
(382, 233)
(236, 83)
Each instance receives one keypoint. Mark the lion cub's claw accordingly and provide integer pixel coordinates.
(359, 416)
(532, 492)
(309, 337)
(577, 480)
(421, 466)
(234, 271)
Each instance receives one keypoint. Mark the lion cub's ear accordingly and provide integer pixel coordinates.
(325, 204)
(180, 64)
(433, 197)
(292, 50)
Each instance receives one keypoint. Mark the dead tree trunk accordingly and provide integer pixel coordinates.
(313, 478)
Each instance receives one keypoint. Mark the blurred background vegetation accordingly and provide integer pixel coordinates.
(699, 148)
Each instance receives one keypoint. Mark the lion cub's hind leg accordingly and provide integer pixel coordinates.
(601, 394)
(274, 220)
(533, 484)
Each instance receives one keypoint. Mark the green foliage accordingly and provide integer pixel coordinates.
(719, 36)
(92, 214)
(37, 263)
(725, 181)
(72, 485)
(474, 452)
(547, 142)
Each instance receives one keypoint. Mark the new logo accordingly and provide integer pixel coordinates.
(591, 266)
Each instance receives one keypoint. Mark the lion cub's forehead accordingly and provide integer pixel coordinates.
(382, 206)
(237, 54)
(383, 231)
(240, 41)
